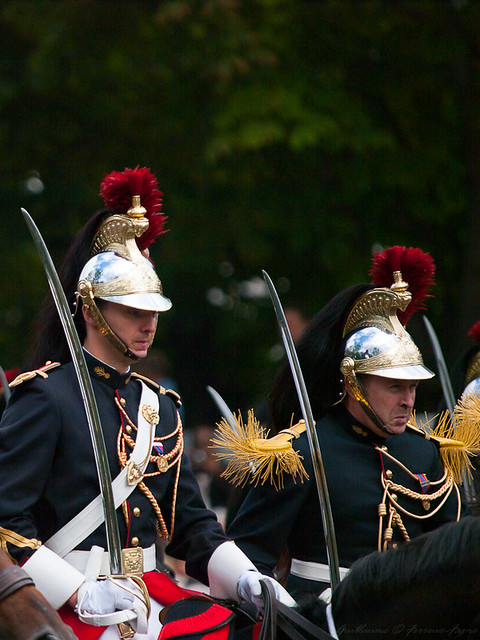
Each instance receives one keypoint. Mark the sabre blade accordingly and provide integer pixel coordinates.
(88, 396)
(314, 445)
(449, 397)
(224, 409)
(6, 388)
(442, 367)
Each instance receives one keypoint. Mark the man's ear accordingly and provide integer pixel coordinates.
(349, 400)
(87, 316)
(348, 390)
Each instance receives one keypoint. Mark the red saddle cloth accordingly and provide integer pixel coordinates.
(197, 619)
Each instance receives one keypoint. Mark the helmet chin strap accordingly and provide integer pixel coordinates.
(360, 395)
(86, 294)
(358, 390)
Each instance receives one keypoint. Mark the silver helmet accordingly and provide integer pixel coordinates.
(129, 281)
(378, 344)
(471, 382)
(118, 271)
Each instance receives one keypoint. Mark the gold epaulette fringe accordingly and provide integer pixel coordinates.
(28, 375)
(254, 458)
(458, 436)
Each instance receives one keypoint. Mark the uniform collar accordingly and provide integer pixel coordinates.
(105, 373)
(355, 428)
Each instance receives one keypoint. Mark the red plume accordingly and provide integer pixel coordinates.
(474, 332)
(418, 269)
(117, 190)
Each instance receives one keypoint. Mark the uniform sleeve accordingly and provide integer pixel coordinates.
(265, 520)
(28, 434)
(197, 532)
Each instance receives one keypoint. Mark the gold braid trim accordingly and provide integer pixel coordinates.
(28, 375)
(163, 462)
(390, 491)
(455, 454)
(252, 458)
(15, 539)
(135, 374)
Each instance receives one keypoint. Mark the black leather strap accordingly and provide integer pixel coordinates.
(269, 622)
(11, 579)
(290, 621)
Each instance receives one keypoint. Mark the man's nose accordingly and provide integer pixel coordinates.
(409, 398)
(150, 322)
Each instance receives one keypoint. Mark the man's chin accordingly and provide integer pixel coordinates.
(397, 426)
(138, 354)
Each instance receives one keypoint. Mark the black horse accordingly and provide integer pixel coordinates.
(429, 587)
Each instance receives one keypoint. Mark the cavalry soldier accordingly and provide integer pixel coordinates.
(385, 477)
(47, 464)
(467, 386)
(469, 365)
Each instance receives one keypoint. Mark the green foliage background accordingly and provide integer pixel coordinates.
(287, 135)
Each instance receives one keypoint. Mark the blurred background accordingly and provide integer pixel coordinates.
(287, 135)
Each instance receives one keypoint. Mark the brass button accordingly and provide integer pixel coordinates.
(128, 429)
(123, 402)
(389, 474)
(394, 545)
(135, 542)
(136, 512)
(384, 448)
(394, 496)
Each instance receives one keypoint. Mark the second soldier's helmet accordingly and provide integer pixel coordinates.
(119, 269)
(471, 380)
(376, 341)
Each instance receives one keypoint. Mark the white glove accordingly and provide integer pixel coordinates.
(249, 589)
(106, 602)
(103, 596)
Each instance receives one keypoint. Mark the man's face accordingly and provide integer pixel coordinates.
(392, 400)
(135, 327)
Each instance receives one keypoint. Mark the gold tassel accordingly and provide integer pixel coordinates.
(466, 428)
(253, 457)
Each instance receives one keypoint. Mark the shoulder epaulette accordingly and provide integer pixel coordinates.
(428, 435)
(165, 392)
(173, 395)
(416, 429)
(149, 381)
(28, 375)
(241, 443)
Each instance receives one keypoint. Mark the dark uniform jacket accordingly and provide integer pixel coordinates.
(48, 472)
(269, 519)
